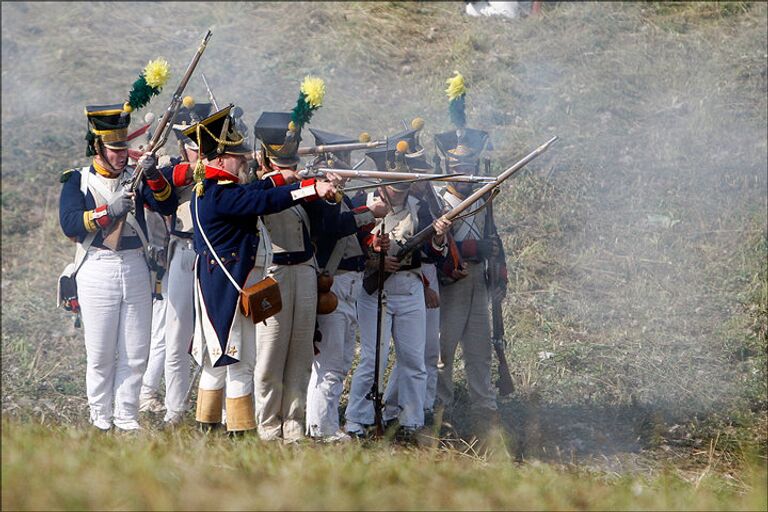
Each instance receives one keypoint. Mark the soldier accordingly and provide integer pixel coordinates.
(113, 285)
(430, 207)
(225, 211)
(285, 344)
(405, 318)
(175, 362)
(149, 398)
(464, 303)
(344, 260)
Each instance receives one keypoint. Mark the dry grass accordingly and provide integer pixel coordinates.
(186, 470)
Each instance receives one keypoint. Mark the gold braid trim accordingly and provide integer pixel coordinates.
(218, 140)
(163, 194)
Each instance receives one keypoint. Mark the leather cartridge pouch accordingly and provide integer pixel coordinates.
(261, 300)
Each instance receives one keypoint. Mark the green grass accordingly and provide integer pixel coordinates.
(67, 468)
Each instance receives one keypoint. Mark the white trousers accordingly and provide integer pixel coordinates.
(431, 354)
(285, 355)
(180, 316)
(337, 350)
(405, 321)
(236, 378)
(116, 303)
(233, 381)
(464, 317)
(150, 383)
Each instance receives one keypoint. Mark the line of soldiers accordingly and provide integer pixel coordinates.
(229, 216)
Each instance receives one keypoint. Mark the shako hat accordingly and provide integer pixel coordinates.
(216, 135)
(323, 138)
(108, 123)
(462, 146)
(280, 132)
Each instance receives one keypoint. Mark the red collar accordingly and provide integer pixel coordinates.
(215, 173)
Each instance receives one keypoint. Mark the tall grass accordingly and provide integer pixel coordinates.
(72, 469)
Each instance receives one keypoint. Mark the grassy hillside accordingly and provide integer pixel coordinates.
(637, 312)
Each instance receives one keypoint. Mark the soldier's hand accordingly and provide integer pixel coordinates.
(335, 179)
(378, 208)
(120, 204)
(442, 225)
(148, 164)
(381, 243)
(391, 264)
(325, 190)
(431, 298)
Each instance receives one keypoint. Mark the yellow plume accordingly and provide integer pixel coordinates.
(314, 90)
(365, 137)
(455, 86)
(188, 101)
(402, 146)
(156, 73)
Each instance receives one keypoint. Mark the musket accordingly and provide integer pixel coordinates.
(331, 148)
(389, 175)
(393, 182)
(371, 281)
(504, 383)
(113, 233)
(375, 393)
(211, 97)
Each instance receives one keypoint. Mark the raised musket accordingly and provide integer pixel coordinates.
(112, 235)
(390, 175)
(371, 281)
(211, 97)
(332, 148)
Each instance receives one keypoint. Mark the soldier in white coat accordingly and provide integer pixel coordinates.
(405, 318)
(344, 260)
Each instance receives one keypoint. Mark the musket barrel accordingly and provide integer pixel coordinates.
(508, 173)
(387, 175)
(330, 148)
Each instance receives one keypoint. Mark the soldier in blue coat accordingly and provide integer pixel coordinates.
(225, 213)
(114, 287)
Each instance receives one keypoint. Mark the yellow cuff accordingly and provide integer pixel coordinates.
(241, 414)
(88, 222)
(163, 194)
(209, 403)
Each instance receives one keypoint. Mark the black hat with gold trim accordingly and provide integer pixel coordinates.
(216, 135)
(386, 158)
(323, 138)
(189, 113)
(463, 146)
(280, 132)
(109, 124)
